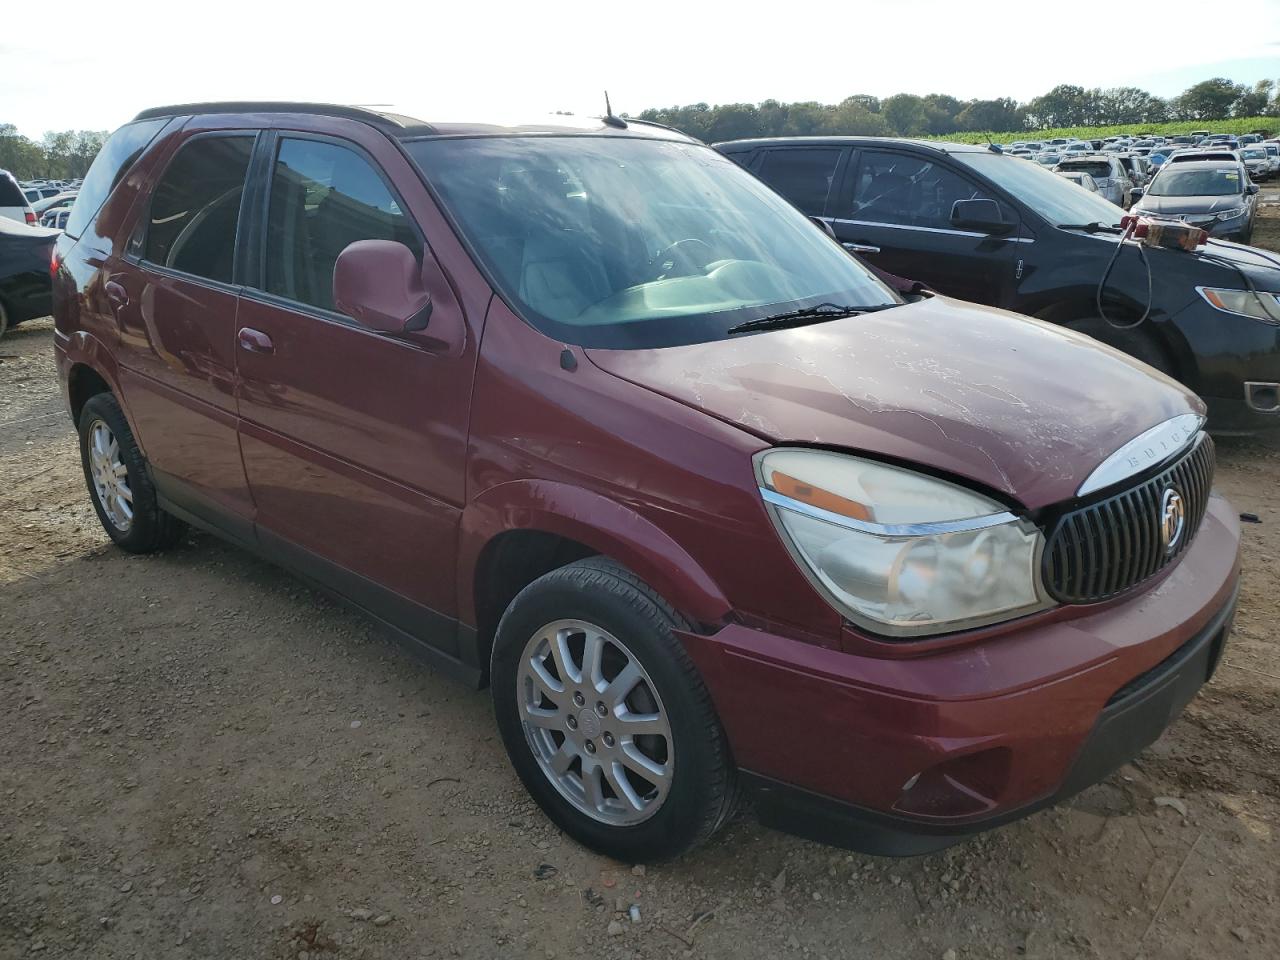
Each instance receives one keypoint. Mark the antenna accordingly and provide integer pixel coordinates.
(609, 118)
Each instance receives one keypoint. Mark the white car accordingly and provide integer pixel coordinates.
(1079, 178)
(57, 200)
(13, 203)
(56, 218)
(1256, 162)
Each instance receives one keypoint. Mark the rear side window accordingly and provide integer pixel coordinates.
(802, 176)
(324, 197)
(907, 190)
(196, 206)
(113, 161)
(10, 194)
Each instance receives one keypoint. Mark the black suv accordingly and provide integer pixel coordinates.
(980, 226)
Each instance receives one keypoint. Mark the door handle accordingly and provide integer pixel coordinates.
(254, 341)
(860, 248)
(116, 293)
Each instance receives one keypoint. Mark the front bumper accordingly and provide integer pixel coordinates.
(1232, 355)
(903, 756)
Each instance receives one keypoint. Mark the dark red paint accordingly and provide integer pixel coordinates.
(402, 457)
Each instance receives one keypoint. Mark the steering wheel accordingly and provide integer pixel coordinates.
(678, 257)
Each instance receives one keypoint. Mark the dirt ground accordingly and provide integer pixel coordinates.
(201, 758)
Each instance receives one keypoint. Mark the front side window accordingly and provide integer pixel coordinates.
(324, 197)
(1044, 192)
(112, 162)
(195, 208)
(626, 242)
(908, 190)
(803, 176)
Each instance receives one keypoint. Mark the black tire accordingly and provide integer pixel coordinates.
(1136, 342)
(150, 528)
(703, 789)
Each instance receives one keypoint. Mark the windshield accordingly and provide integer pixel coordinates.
(1254, 154)
(1048, 194)
(631, 243)
(1181, 182)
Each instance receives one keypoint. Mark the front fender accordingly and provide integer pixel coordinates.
(606, 526)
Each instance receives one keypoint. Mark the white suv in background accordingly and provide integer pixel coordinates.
(13, 203)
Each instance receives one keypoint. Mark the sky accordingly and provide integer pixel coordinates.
(98, 66)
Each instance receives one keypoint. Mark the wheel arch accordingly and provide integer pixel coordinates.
(1082, 316)
(517, 531)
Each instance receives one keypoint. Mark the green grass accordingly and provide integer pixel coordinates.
(1173, 128)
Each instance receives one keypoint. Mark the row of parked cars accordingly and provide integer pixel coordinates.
(43, 202)
(593, 413)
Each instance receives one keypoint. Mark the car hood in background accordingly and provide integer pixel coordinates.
(1019, 406)
(1197, 206)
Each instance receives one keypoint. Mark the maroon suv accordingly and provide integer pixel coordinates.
(585, 411)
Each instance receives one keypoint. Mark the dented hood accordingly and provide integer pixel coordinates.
(1023, 407)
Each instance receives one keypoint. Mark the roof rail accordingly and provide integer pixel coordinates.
(365, 114)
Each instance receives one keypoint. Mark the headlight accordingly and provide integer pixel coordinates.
(1261, 305)
(1232, 213)
(898, 552)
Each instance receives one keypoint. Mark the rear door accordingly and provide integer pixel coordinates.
(805, 175)
(174, 297)
(901, 202)
(354, 441)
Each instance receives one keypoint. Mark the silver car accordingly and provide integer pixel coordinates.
(1108, 174)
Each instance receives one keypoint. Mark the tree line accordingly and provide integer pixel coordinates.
(57, 156)
(908, 115)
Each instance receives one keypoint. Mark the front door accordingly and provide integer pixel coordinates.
(354, 441)
(901, 203)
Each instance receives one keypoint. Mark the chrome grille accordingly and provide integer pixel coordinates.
(1103, 549)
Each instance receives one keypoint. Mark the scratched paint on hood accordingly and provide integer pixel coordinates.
(1020, 406)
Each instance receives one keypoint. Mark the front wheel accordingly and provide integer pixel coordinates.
(605, 718)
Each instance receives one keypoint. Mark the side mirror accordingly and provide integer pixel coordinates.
(1252, 188)
(1136, 193)
(378, 283)
(981, 215)
(825, 227)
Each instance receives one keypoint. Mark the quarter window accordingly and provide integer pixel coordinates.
(324, 197)
(913, 191)
(196, 206)
(802, 176)
(111, 164)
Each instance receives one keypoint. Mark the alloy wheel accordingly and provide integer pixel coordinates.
(110, 477)
(595, 723)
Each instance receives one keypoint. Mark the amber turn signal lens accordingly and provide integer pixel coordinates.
(789, 486)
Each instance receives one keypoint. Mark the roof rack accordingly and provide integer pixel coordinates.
(364, 114)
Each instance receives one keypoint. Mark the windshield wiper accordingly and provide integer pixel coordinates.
(1094, 227)
(799, 318)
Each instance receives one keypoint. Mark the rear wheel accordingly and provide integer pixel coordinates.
(605, 718)
(119, 485)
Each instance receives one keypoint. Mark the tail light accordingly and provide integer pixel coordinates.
(54, 262)
(31, 219)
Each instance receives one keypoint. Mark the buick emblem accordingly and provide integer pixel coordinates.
(1173, 519)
